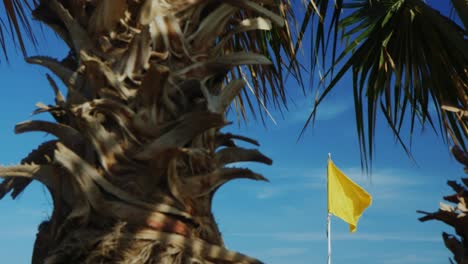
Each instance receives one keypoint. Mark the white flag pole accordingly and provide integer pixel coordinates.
(329, 237)
(328, 220)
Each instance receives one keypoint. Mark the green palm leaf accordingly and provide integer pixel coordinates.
(461, 7)
(324, 28)
(404, 57)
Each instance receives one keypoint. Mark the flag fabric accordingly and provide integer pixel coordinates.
(346, 199)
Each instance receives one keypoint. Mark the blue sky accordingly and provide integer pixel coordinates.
(282, 221)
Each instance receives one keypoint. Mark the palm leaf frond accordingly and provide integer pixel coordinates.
(275, 43)
(461, 7)
(18, 24)
(406, 58)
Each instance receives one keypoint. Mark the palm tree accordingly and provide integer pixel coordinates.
(404, 56)
(139, 151)
(454, 216)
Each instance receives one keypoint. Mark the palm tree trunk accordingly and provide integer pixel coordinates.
(139, 152)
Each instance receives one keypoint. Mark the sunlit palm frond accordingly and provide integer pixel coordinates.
(406, 58)
(17, 23)
(274, 41)
(324, 31)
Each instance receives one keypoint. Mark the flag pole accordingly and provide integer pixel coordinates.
(329, 237)
(328, 219)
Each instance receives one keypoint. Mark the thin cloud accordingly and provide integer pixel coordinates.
(413, 259)
(285, 252)
(331, 111)
(274, 190)
(327, 110)
(266, 193)
(32, 212)
(386, 184)
(316, 236)
(384, 177)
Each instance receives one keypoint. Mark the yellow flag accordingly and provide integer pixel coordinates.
(346, 199)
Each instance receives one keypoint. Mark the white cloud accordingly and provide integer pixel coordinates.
(413, 259)
(328, 110)
(385, 184)
(321, 236)
(32, 212)
(408, 237)
(384, 177)
(285, 252)
(289, 236)
(267, 192)
(277, 189)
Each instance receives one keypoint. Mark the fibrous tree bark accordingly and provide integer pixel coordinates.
(139, 152)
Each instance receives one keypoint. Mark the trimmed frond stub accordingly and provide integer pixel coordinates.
(43, 155)
(42, 173)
